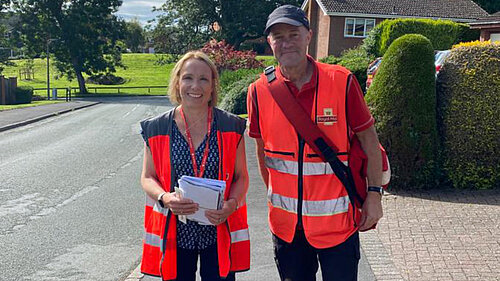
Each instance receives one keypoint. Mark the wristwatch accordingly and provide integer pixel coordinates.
(159, 199)
(377, 189)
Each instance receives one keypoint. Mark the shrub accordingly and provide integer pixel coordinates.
(235, 100)
(473, 43)
(403, 101)
(468, 106)
(227, 78)
(371, 44)
(356, 60)
(330, 59)
(226, 57)
(442, 33)
(105, 79)
(23, 94)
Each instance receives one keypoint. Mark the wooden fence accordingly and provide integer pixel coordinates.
(96, 90)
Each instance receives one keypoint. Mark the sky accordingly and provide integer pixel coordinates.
(140, 9)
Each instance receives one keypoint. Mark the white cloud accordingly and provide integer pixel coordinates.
(140, 9)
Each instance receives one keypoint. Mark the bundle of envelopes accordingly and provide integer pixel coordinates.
(208, 193)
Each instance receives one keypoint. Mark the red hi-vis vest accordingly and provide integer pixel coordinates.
(159, 256)
(298, 178)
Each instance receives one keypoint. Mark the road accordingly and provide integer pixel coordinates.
(70, 201)
(71, 207)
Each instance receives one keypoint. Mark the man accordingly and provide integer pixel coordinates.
(310, 214)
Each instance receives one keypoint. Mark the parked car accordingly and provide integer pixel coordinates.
(372, 69)
(439, 58)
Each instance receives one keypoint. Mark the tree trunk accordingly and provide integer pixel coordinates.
(79, 75)
(81, 82)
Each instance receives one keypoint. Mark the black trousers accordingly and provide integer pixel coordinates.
(187, 261)
(298, 261)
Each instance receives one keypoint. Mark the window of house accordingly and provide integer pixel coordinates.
(356, 27)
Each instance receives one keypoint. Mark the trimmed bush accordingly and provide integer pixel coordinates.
(402, 99)
(443, 34)
(227, 78)
(468, 107)
(356, 60)
(23, 94)
(474, 43)
(235, 100)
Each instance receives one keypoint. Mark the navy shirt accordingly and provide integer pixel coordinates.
(192, 235)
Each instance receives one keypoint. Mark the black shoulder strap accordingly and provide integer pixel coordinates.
(316, 139)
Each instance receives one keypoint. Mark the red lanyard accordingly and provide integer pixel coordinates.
(191, 145)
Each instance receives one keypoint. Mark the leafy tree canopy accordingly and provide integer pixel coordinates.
(83, 35)
(490, 6)
(134, 35)
(187, 24)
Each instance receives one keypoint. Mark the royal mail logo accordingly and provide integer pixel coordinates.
(328, 118)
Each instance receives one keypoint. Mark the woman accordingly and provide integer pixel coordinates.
(194, 139)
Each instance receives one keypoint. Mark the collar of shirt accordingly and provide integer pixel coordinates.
(308, 87)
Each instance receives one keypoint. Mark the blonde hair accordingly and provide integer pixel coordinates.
(173, 89)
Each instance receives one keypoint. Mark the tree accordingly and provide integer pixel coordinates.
(4, 42)
(134, 35)
(490, 6)
(82, 34)
(190, 23)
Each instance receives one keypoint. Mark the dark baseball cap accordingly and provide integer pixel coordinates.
(288, 14)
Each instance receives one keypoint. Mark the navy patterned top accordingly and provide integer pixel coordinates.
(192, 235)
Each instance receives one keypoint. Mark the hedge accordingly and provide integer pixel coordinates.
(402, 99)
(468, 108)
(235, 100)
(228, 77)
(24, 94)
(443, 34)
(356, 60)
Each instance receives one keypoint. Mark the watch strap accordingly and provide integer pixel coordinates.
(377, 189)
(160, 201)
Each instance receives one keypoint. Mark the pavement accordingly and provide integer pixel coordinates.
(424, 235)
(10, 119)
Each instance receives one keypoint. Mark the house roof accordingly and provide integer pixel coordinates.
(447, 9)
(493, 19)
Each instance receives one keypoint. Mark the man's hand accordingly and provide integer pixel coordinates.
(372, 211)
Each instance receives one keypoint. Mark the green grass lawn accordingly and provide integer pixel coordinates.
(141, 71)
(33, 103)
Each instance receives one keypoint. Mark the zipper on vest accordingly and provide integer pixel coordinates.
(279, 152)
(300, 181)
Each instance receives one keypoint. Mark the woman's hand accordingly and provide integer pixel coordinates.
(179, 206)
(217, 217)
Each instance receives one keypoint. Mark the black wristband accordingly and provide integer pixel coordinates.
(377, 189)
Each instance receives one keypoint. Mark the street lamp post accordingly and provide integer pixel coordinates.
(48, 67)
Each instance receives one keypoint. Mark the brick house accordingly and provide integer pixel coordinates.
(489, 26)
(338, 25)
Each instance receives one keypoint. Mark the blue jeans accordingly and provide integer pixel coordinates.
(298, 260)
(209, 266)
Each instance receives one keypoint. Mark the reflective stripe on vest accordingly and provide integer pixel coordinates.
(153, 240)
(310, 208)
(240, 235)
(292, 167)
